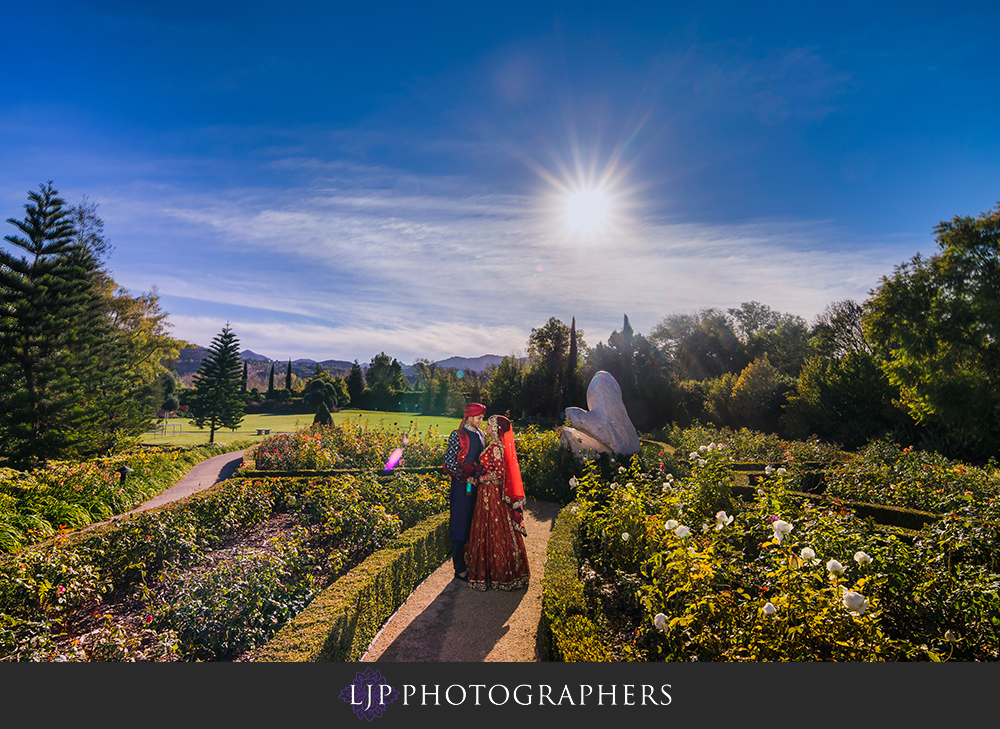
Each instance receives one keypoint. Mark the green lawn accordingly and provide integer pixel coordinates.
(181, 431)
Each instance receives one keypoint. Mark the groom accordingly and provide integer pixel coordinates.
(461, 461)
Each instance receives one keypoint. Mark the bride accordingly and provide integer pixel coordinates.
(495, 553)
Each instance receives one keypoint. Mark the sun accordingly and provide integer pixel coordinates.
(587, 210)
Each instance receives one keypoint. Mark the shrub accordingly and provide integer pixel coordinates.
(229, 609)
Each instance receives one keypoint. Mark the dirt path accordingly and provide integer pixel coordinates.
(444, 620)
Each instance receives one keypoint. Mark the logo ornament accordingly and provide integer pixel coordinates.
(369, 694)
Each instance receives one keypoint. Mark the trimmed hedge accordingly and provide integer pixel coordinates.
(250, 473)
(341, 622)
(911, 520)
(569, 635)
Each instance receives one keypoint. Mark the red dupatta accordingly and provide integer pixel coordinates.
(513, 487)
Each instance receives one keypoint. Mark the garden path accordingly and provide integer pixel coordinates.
(444, 620)
(201, 476)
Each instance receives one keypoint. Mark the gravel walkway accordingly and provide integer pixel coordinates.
(202, 475)
(444, 620)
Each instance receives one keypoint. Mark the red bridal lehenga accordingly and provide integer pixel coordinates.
(495, 553)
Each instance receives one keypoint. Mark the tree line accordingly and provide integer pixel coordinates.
(917, 362)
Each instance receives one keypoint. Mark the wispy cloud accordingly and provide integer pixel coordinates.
(347, 275)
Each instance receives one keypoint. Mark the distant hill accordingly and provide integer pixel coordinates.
(476, 364)
(247, 354)
(259, 366)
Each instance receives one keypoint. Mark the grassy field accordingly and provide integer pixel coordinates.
(181, 431)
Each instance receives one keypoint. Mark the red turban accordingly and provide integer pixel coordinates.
(473, 409)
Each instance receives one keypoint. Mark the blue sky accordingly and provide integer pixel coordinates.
(341, 179)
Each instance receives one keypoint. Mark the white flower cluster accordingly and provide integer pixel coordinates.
(678, 529)
(853, 601)
(781, 530)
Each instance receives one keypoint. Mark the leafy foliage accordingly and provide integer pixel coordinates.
(935, 324)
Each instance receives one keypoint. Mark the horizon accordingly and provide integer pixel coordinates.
(421, 181)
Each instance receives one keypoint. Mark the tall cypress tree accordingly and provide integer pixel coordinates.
(243, 380)
(216, 401)
(270, 383)
(52, 328)
(571, 365)
(288, 376)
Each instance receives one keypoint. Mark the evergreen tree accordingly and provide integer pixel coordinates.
(270, 383)
(52, 329)
(572, 362)
(323, 416)
(356, 384)
(288, 376)
(243, 380)
(319, 392)
(216, 401)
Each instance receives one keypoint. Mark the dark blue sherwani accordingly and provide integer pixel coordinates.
(462, 499)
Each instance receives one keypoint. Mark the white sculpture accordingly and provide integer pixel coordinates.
(605, 427)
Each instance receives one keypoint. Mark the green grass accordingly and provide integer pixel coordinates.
(189, 435)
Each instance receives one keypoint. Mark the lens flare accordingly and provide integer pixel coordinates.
(394, 459)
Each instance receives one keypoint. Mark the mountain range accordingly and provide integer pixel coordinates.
(259, 366)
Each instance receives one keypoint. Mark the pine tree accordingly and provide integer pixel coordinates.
(356, 385)
(52, 329)
(216, 398)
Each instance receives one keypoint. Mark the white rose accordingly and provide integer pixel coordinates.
(834, 567)
(682, 531)
(722, 520)
(781, 529)
(855, 602)
(660, 621)
(862, 558)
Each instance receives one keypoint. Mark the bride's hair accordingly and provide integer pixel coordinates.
(503, 424)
